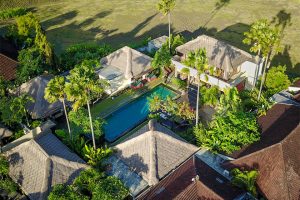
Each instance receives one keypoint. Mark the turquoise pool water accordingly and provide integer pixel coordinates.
(132, 114)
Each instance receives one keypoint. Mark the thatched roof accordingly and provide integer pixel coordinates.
(131, 62)
(154, 151)
(40, 108)
(219, 53)
(41, 163)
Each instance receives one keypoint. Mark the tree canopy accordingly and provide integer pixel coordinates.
(228, 132)
(276, 80)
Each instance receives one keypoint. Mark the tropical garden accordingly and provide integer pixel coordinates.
(233, 126)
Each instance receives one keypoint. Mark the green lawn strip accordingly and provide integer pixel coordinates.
(121, 139)
(108, 105)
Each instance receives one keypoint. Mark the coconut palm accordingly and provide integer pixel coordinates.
(245, 180)
(165, 7)
(83, 86)
(265, 41)
(55, 91)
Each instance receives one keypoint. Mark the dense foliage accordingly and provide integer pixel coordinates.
(209, 96)
(229, 132)
(12, 12)
(180, 84)
(250, 102)
(276, 80)
(162, 58)
(245, 180)
(96, 156)
(80, 124)
(76, 54)
(175, 42)
(65, 192)
(10, 188)
(180, 110)
(230, 100)
(91, 184)
(31, 64)
(110, 188)
(13, 109)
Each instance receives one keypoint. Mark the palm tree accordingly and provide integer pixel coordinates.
(165, 7)
(198, 59)
(84, 86)
(55, 91)
(245, 180)
(265, 41)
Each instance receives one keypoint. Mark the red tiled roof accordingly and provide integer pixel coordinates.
(8, 67)
(179, 184)
(276, 155)
(277, 124)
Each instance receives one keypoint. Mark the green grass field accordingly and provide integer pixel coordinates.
(121, 22)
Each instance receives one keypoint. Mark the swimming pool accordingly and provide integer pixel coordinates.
(132, 114)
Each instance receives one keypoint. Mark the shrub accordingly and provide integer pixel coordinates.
(76, 54)
(245, 180)
(209, 96)
(18, 134)
(4, 166)
(110, 188)
(12, 12)
(276, 80)
(65, 192)
(181, 84)
(87, 180)
(96, 156)
(250, 102)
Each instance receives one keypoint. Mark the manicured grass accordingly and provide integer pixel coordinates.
(125, 22)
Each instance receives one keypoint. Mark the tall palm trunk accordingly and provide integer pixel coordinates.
(257, 69)
(91, 123)
(197, 103)
(169, 18)
(263, 76)
(67, 119)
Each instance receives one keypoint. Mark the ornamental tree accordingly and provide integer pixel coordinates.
(55, 91)
(83, 86)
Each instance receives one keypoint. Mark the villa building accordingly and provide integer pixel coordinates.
(123, 67)
(236, 68)
(42, 162)
(40, 108)
(147, 156)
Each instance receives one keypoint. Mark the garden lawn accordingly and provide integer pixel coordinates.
(120, 23)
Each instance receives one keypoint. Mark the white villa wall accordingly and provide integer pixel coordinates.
(207, 79)
(252, 71)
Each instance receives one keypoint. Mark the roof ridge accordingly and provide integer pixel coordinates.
(153, 171)
(66, 162)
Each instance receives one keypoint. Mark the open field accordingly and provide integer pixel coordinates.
(121, 22)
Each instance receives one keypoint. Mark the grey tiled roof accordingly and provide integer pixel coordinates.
(153, 151)
(219, 53)
(40, 108)
(131, 62)
(41, 163)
